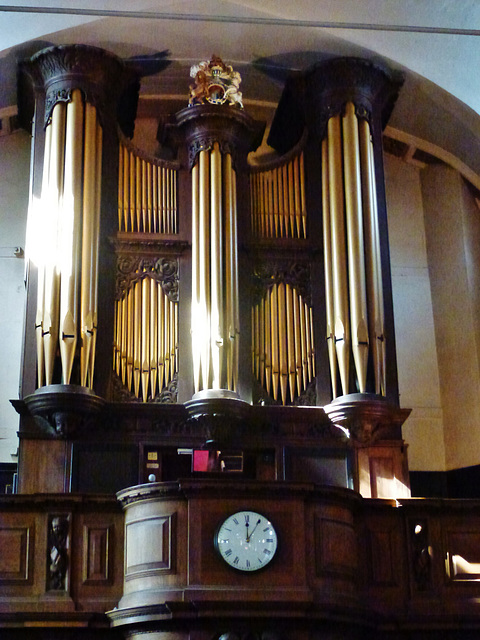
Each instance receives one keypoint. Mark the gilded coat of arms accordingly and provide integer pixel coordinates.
(216, 83)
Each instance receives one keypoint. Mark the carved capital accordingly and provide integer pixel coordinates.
(312, 97)
(203, 125)
(102, 77)
(366, 417)
(64, 411)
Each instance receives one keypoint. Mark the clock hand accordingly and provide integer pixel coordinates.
(253, 531)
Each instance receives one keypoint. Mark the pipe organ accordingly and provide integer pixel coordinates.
(288, 216)
(212, 275)
(184, 309)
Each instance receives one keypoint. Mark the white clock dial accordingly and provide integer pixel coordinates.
(246, 540)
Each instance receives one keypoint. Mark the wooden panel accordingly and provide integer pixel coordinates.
(380, 547)
(14, 554)
(335, 547)
(97, 554)
(149, 546)
(381, 476)
(44, 466)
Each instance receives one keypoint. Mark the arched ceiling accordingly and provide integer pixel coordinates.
(435, 43)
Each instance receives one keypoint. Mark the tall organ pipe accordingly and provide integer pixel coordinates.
(70, 234)
(355, 246)
(327, 253)
(339, 255)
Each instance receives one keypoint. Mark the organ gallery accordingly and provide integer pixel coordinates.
(209, 410)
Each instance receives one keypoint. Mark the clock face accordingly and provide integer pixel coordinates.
(246, 540)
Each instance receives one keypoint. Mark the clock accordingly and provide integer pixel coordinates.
(246, 540)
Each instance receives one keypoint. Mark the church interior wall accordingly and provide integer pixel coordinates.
(14, 172)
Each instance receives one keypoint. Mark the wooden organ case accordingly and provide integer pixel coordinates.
(214, 338)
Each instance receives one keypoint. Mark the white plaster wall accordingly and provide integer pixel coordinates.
(454, 274)
(418, 375)
(14, 188)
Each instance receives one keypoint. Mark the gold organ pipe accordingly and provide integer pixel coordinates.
(260, 218)
(196, 311)
(298, 210)
(297, 340)
(52, 276)
(355, 245)
(236, 295)
(308, 335)
(130, 336)
(302, 196)
(261, 225)
(262, 346)
(117, 329)
(339, 258)
(174, 201)
(166, 339)
(281, 211)
(380, 326)
(88, 240)
(126, 185)
(217, 303)
(229, 269)
(120, 185)
(123, 344)
(327, 255)
(275, 347)
(95, 246)
(170, 187)
(312, 342)
(166, 187)
(368, 188)
(204, 262)
(138, 192)
(41, 267)
(144, 194)
(290, 340)
(161, 335)
(271, 216)
(164, 200)
(268, 344)
(256, 340)
(252, 204)
(153, 337)
(282, 341)
(132, 191)
(145, 329)
(149, 197)
(137, 337)
(286, 210)
(253, 212)
(155, 198)
(71, 234)
(291, 199)
(275, 201)
(160, 200)
(303, 341)
(172, 338)
(175, 326)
